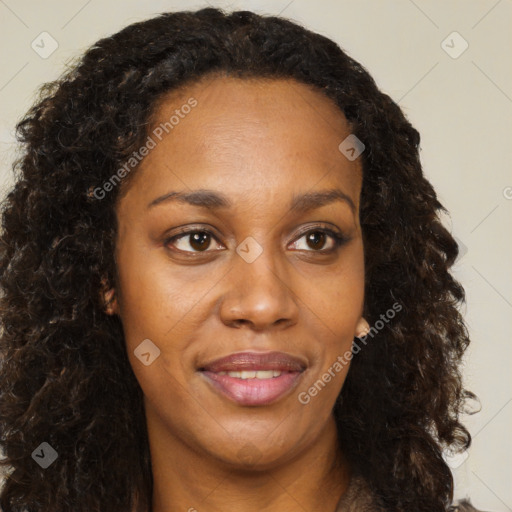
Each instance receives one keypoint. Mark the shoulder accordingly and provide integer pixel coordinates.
(359, 498)
(465, 506)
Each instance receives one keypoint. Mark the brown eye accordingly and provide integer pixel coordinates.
(192, 241)
(315, 240)
(200, 241)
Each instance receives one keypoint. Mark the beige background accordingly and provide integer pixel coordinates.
(461, 106)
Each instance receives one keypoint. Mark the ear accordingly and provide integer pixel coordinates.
(362, 327)
(109, 299)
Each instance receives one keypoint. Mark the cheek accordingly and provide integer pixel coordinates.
(156, 299)
(336, 295)
(163, 306)
(337, 304)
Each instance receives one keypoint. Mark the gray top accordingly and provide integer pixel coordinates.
(358, 498)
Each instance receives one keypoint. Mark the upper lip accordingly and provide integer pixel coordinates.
(278, 361)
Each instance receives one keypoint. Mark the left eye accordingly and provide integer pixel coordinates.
(316, 240)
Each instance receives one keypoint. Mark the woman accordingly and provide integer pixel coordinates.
(225, 283)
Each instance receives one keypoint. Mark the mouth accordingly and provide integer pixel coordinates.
(254, 378)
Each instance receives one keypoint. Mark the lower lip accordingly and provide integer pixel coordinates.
(253, 391)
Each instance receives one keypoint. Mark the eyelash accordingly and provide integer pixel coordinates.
(337, 238)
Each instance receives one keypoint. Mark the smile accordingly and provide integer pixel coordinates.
(254, 378)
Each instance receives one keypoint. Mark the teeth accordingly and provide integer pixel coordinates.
(260, 374)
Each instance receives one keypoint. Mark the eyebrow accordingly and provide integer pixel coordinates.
(215, 200)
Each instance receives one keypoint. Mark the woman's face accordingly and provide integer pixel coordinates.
(257, 272)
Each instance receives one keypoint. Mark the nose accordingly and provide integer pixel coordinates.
(260, 295)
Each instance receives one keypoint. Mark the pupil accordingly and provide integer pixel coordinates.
(317, 238)
(198, 239)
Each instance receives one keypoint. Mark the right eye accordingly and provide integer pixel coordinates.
(197, 240)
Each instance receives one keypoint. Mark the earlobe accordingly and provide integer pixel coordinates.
(110, 302)
(362, 328)
(108, 297)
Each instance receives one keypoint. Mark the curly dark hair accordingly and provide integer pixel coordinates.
(65, 377)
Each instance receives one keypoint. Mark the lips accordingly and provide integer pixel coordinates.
(254, 378)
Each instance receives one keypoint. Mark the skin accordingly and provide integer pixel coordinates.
(260, 143)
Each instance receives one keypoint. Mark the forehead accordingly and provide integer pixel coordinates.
(247, 134)
(252, 107)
